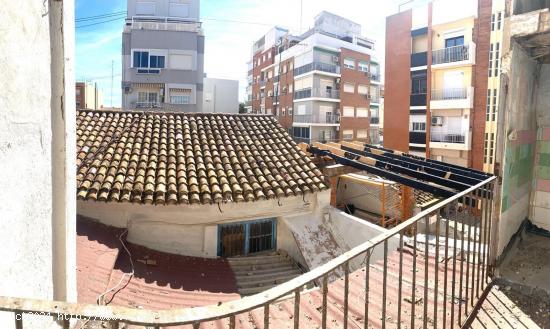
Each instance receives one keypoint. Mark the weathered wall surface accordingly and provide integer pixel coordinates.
(540, 201)
(519, 138)
(192, 229)
(34, 258)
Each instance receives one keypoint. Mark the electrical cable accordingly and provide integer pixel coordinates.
(107, 21)
(91, 18)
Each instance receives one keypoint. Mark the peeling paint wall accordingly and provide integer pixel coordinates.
(518, 105)
(37, 257)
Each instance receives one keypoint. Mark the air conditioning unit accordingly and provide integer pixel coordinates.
(437, 121)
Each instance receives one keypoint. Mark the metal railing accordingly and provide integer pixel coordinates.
(375, 77)
(141, 105)
(374, 120)
(162, 24)
(448, 137)
(317, 66)
(316, 92)
(331, 118)
(451, 266)
(374, 98)
(449, 94)
(451, 54)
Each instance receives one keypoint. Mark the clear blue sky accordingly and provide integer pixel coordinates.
(230, 28)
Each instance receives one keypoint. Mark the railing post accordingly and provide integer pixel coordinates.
(426, 271)
(400, 289)
(297, 308)
(447, 213)
(324, 311)
(266, 316)
(232, 322)
(367, 273)
(436, 273)
(346, 293)
(413, 293)
(384, 284)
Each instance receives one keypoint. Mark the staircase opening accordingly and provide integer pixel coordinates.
(243, 238)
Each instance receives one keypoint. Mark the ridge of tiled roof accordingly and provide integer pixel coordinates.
(188, 158)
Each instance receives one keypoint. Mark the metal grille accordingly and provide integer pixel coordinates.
(232, 238)
(261, 236)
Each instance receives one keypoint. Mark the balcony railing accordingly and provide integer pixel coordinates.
(419, 59)
(162, 24)
(418, 99)
(451, 55)
(374, 98)
(374, 120)
(417, 137)
(450, 263)
(316, 92)
(330, 118)
(449, 94)
(317, 66)
(141, 105)
(448, 137)
(374, 77)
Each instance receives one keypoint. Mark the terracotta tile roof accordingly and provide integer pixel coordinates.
(188, 158)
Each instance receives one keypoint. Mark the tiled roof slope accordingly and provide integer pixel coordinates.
(188, 158)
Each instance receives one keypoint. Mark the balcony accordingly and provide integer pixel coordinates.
(162, 24)
(418, 99)
(262, 83)
(450, 139)
(452, 98)
(317, 66)
(374, 120)
(454, 56)
(374, 77)
(374, 98)
(419, 59)
(329, 118)
(316, 92)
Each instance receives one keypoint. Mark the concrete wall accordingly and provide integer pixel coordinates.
(192, 229)
(220, 96)
(540, 200)
(519, 139)
(37, 230)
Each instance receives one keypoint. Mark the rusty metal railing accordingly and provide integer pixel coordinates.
(447, 247)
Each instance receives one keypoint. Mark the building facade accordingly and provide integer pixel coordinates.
(163, 55)
(322, 85)
(441, 58)
(88, 96)
(220, 96)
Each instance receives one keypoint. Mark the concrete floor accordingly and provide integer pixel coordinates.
(529, 262)
(520, 297)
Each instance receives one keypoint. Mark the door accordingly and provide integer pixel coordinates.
(237, 239)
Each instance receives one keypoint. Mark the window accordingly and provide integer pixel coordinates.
(419, 126)
(177, 9)
(497, 56)
(419, 82)
(268, 55)
(491, 51)
(349, 63)
(362, 133)
(453, 42)
(301, 132)
(349, 87)
(289, 111)
(77, 91)
(347, 134)
(146, 63)
(147, 97)
(183, 99)
(348, 111)
(290, 88)
(284, 69)
(283, 111)
(363, 66)
(362, 90)
(493, 22)
(362, 112)
(494, 106)
(488, 108)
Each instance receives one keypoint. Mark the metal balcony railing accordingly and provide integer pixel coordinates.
(317, 66)
(419, 59)
(451, 54)
(374, 120)
(418, 99)
(162, 24)
(316, 92)
(449, 94)
(329, 118)
(448, 137)
(374, 98)
(141, 105)
(375, 77)
(442, 292)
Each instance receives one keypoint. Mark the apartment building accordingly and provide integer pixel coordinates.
(322, 85)
(163, 55)
(88, 96)
(437, 69)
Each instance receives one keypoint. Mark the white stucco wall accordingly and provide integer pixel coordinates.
(220, 96)
(191, 229)
(33, 161)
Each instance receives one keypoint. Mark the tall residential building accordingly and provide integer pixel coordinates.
(322, 85)
(441, 62)
(163, 55)
(88, 96)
